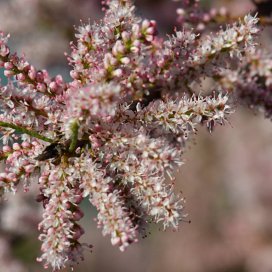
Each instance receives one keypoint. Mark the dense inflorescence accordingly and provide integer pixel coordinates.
(115, 133)
(251, 82)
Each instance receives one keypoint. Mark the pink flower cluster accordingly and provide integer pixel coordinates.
(19, 164)
(252, 82)
(190, 14)
(116, 132)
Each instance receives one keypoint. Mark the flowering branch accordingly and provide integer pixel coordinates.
(26, 131)
(118, 129)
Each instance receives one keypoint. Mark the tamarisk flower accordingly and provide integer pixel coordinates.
(115, 132)
(224, 50)
(19, 164)
(59, 227)
(191, 15)
(252, 82)
(113, 217)
(36, 99)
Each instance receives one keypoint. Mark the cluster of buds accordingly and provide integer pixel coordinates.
(19, 164)
(117, 131)
(26, 74)
(252, 82)
(60, 230)
(190, 14)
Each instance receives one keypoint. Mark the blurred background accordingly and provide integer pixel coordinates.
(226, 179)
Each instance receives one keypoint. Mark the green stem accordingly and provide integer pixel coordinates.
(26, 131)
(74, 137)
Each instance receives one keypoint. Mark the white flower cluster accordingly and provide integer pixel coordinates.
(118, 130)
